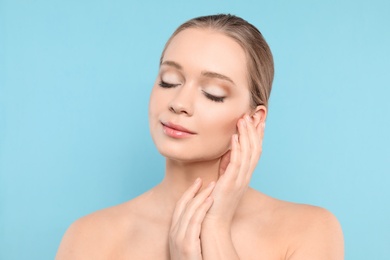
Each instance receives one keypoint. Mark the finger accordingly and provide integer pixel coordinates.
(191, 207)
(194, 204)
(185, 198)
(254, 140)
(194, 229)
(260, 131)
(246, 152)
(260, 136)
(225, 160)
(235, 161)
(252, 134)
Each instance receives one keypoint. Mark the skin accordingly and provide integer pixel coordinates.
(203, 208)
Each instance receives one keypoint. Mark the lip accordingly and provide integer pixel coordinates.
(176, 131)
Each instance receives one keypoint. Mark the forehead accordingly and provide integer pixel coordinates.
(208, 50)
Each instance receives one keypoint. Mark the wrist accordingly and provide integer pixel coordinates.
(217, 242)
(216, 229)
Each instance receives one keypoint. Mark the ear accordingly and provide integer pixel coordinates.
(258, 115)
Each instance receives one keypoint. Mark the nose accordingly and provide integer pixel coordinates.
(182, 102)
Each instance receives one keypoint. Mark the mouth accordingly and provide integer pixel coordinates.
(176, 131)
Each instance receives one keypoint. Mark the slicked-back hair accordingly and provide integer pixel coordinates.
(260, 64)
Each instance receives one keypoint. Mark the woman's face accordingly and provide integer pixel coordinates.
(200, 93)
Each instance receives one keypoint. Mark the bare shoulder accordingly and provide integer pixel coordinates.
(96, 235)
(312, 232)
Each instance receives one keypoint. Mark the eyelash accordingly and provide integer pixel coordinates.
(164, 84)
(213, 98)
(167, 85)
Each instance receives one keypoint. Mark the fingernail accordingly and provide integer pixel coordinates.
(197, 180)
(248, 119)
(211, 184)
(243, 123)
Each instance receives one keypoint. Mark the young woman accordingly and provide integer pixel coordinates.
(207, 117)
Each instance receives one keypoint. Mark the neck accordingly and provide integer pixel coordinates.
(179, 176)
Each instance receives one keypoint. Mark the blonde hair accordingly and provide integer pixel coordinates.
(259, 57)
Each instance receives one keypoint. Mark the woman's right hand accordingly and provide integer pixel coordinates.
(190, 210)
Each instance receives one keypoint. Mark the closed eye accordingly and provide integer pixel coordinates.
(213, 98)
(164, 84)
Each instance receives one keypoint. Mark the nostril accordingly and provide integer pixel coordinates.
(178, 109)
(181, 104)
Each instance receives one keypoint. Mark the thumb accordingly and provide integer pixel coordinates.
(225, 160)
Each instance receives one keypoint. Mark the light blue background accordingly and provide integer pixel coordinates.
(75, 78)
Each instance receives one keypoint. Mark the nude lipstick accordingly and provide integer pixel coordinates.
(176, 131)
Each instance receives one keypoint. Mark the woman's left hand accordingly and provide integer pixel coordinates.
(236, 169)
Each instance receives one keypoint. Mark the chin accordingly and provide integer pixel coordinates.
(190, 154)
(178, 154)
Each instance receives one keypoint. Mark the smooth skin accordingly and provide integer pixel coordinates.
(204, 208)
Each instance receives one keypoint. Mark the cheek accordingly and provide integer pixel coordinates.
(227, 126)
(155, 101)
(155, 108)
(223, 121)
(221, 126)
(152, 107)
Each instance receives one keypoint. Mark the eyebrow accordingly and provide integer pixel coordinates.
(211, 74)
(172, 64)
(208, 74)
